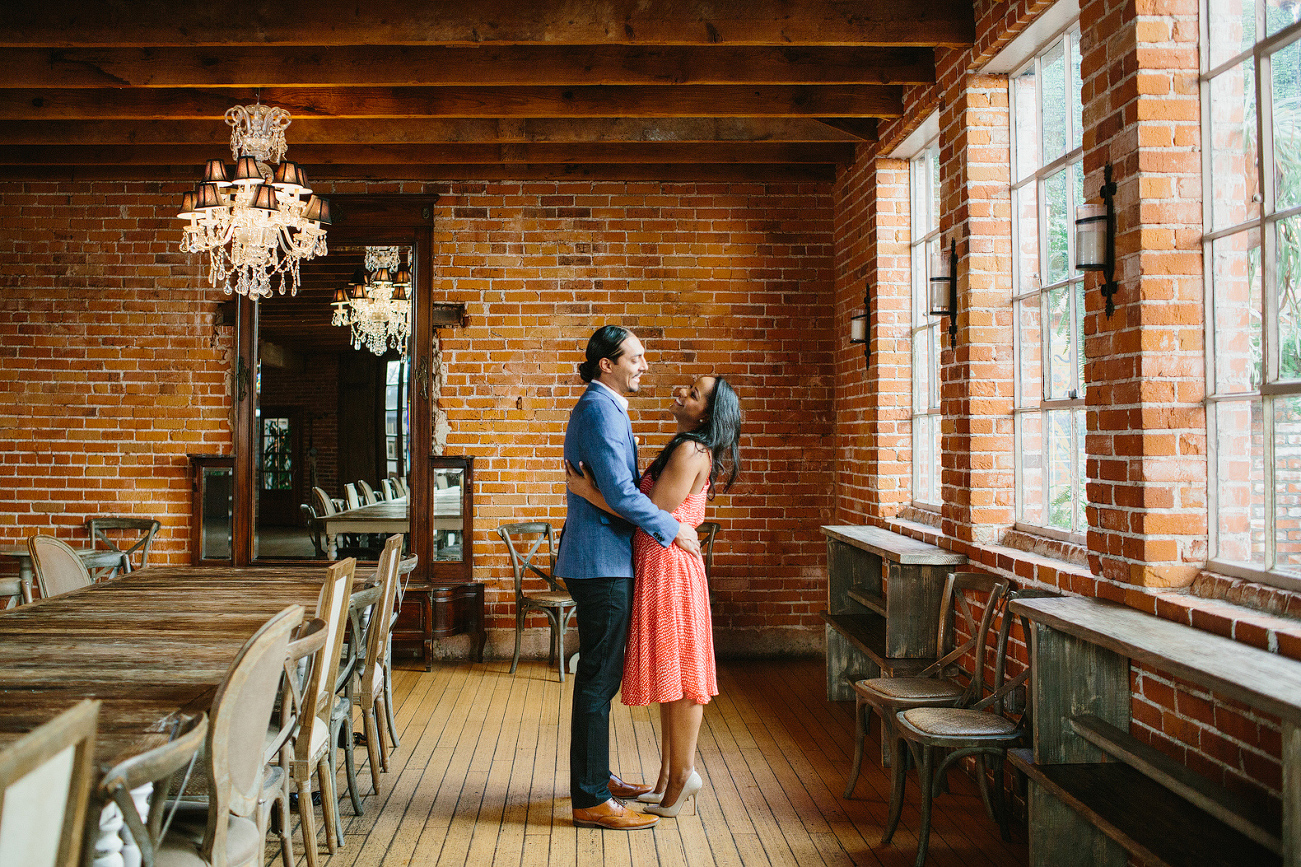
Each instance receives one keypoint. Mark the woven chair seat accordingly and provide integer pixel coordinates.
(550, 597)
(908, 689)
(957, 723)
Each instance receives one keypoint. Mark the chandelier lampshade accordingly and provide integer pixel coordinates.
(255, 223)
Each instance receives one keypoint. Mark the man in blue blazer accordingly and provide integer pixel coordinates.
(595, 559)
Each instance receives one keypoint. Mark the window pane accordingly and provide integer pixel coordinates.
(1030, 342)
(1240, 482)
(1061, 355)
(1077, 187)
(1287, 484)
(1235, 180)
(1057, 225)
(1279, 15)
(1052, 89)
(926, 458)
(1288, 276)
(933, 167)
(1074, 97)
(921, 371)
(1026, 109)
(1030, 499)
(1027, 239)
(1287, 125)
(1081, 518)
(1232, 29)
(1235, 271)
(1061, 469)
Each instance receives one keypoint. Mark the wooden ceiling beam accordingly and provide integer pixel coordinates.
(325, 131)
(424, 65)
(326, 155)
(153, 23)
(595, 101)
(182, 177)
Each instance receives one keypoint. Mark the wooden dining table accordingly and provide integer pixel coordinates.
(152, 646)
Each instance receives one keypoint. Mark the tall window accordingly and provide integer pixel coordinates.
(1251, 93)
(924, 175)
(1048, 292)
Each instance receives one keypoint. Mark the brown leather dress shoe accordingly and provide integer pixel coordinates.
(627, 791)
(612, 816)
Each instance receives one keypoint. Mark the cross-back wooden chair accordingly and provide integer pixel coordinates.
(951, 681)
(159, 767)
(373, 694)
(58, 567)
(533, 552)
(130, 537)
(312, 747)
(999, 720)
(45, 782)
(224, 831)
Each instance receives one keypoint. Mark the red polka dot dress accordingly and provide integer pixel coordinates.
(671, 641)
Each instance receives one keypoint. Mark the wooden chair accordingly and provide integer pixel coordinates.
(945, 682)
(375, 676)
(45, 782)
(159, 767)
(312, 747)
(139, 539)
(313, 523)
(224, 831)
(388, 492)
(555, 602)
(351, 497)
(57, 566)
(367, 492)
(306, 640)
(322, 502)
(988, 728)
(707, 531)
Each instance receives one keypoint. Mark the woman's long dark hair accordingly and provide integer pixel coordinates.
(719, 434)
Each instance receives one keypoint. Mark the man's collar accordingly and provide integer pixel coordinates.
(623, 401)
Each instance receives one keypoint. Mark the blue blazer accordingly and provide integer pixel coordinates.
(594, 543)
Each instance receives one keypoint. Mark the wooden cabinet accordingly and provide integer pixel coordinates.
(443, 599)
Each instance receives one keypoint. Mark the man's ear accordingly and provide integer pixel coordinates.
(605, 365)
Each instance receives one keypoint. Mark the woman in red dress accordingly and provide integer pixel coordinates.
(670, 655)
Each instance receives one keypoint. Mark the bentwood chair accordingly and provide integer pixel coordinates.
(136, 534)
(707, 531)
(533, 552)
(224, 831)
(58, 567)
(45, 783)
(987, 729)
(160, 767)
(951, 681)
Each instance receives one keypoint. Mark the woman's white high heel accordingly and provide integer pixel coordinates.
(689, 791)
(651, 797)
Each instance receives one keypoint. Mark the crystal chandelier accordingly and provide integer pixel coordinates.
(256, 224)
(376, 305)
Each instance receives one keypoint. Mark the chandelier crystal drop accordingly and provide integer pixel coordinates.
(255, 223)
(376, 305)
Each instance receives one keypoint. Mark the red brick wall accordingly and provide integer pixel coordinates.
(113, 371)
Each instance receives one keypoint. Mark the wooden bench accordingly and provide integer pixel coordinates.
(883, 598)
(1097, 794)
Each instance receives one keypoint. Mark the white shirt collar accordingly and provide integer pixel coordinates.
(623, 401)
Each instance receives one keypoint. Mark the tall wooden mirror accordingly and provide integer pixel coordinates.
(324, 424)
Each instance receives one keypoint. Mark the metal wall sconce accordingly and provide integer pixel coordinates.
(860, 326)
(1095, 238)
(944, 287)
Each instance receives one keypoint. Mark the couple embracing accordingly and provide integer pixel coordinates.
(615, 527)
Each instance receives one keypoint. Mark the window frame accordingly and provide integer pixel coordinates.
(1271, 387)
(1046, 404)
(922, 324)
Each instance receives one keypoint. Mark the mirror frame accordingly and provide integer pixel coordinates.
(357, 219)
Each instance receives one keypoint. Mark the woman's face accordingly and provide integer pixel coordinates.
(690, 404)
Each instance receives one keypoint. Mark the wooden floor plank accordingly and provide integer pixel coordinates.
(482, 777)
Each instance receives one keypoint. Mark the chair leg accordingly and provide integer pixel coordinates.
(372, 748)
(982, 778)
(306, 815)
(344, 740)
(519, 633)
(1000, 803)
(860, 735)
(379, 733)
(925, 770)
(388, 699)
(898, 783)
(329, 805)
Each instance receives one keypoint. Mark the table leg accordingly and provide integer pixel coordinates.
(331, 546)
(108, 847)
(25, 578)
